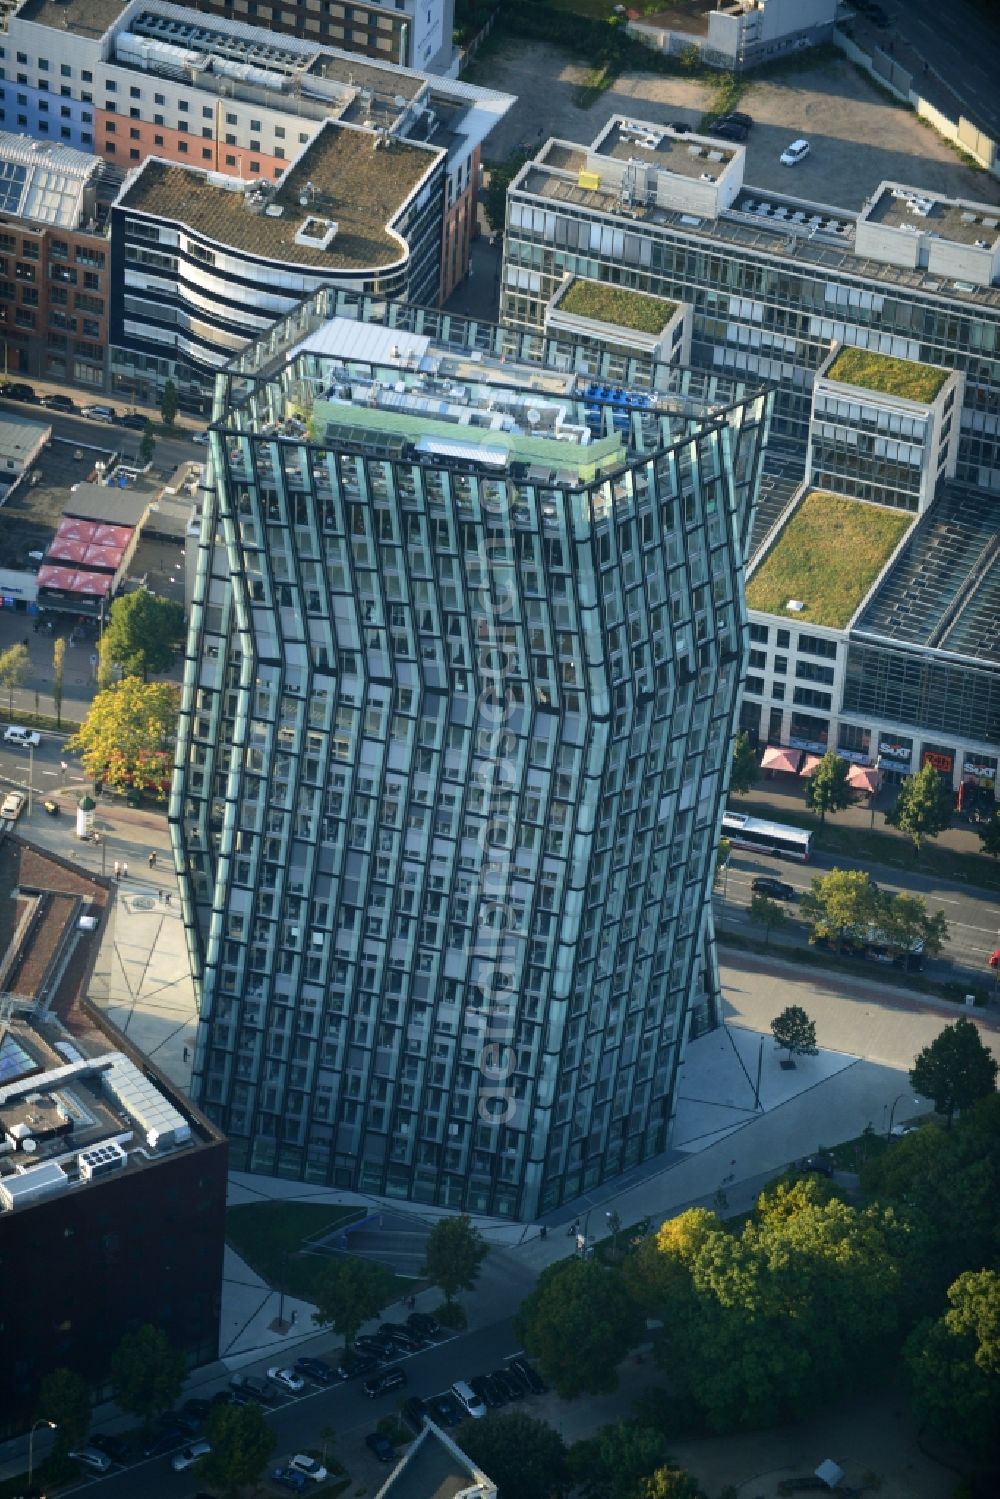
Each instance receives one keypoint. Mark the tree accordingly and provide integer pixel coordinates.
(105, 665)
(579, 1322)
(744, 773)
(953, 1367)
(525, 1458)
(722, 857)
(147, 444)
(989, 837)
(494, 193)
(795, 1032)
(168, 404)
(903, 920)
(15, 664)
(455, 1251)
(669, 1483)
(765, 912)
(827, 788)
(128, 737)
(955, 1070)
(64, 1397)
(241, 1442)
(923, 807)
(144, 633)
(58, 663)
(611, 1464)
(841, 903)
(147, 1375)
(349, 1293)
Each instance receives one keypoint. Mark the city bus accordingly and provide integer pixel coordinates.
(767, 837)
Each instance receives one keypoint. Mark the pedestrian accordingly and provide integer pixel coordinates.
(542, 1232)
(152, 861)
(169, 898)
(118, 868)
(187, 1053)
(124, 869)
(295, 1318)
(159, 895)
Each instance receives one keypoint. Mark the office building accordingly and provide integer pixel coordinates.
(460, 695)
(436, 1465)
(112, 1186)
(54, 260)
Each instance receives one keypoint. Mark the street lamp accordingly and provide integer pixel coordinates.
(42, 1421)
(892, 1112)
(614, 1223)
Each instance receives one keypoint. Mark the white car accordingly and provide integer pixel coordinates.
(24, 738)
(89, 1457)
(188, 1456)
(287, 1379)
(12, 805)
(201, 438)
(99, 413)
(308, 1467)
(797, 151)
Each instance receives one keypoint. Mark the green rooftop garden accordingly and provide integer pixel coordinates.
(893, 377)
(827, 558)
(617, 305)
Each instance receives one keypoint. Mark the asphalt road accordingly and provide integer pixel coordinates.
(170, 451)
(298, 1421)
(973, 919)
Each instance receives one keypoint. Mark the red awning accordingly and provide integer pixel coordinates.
(72, 580)
(777, 758)
(863, 778)
(809, 764)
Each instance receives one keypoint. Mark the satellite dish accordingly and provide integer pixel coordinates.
(399, 102)
(304, 200)
(534, 416)
(29, 1145)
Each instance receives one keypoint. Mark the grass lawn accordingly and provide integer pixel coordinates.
(827, 557)
(271, 1235)
(617, 304)
(893, 377)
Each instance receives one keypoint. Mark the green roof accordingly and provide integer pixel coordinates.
(617, 305)
(893, 377)
(827, 558)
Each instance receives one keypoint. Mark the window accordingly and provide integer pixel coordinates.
(230, 140)
(182, 106)
(811, 671)
(279, 132)
(806, 697)
(784, 640)
(230, 119)
(157, 140)
(206, 111)
(759, 634)
(781, 665)
(230, 161)
(159, 98)
(758, 660)
(814, 645)
(135, 93)
(65, 71)
(755, 686)
(134, 134)
(43, 65)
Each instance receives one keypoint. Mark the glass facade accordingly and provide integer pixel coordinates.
(454, 744)
(928, 691)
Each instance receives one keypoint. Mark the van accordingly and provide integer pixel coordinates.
(24, 738)
(11, 806)
(468, 1399)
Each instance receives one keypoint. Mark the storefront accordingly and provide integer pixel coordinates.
(942, 757)
(895, 757)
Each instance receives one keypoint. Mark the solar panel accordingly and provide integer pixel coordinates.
(15, 1062)
(12, 179)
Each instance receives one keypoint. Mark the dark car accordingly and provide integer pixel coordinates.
(426, 1325)
(823, 1165)
(187, 1422)
(316, 1369)
(737, 117)
(223, 1397)
(508, 1383)
(16, 390)
(531, 1377)
(486, 1388)
(119, 1449)
(680, 126)
(381, 1347)
(383, 1382)
(353, 1365)
(726, 130)
(765, 884)
(257, 1389)
(404, 1337)
(58, 403)
(445, 1410)
(287, 1478)
(135, 420)
(164, 1439)
(415, 1413)
(381, 1446)
(197, 1410)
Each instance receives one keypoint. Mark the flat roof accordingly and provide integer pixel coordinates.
(953, 219)
(19, 435)
(88, 17)
(885, 373)
(826, 558)
(685, 155)
(359, 187)
(617, 304)
(32, 512)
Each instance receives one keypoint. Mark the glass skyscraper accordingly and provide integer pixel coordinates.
(461, 686)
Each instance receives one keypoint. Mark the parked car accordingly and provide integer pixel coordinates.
(12, 804)
(135, 420)
(201, 438)
(316, 1369)
(286, 1379)
(22, 738)
(16, 390)
(404, 1337)
(778, 889)
(381, 1447)
(485, 1387)
(467, 1398)
(353, 1365)
(445, 1410)
(382, 1348)
(248, 1385)
(186, 1422)
(415, 1413)
(162, 1440)
(680, 126)
(99, 413)
(188, 1456)
(531, 1377)
(822, 1165)
(119, 1449)
(508, 1383)
(796, 152)
(91, 1458)
(308, 1467)
(287, 1478)
(56, 402)
(197, 1410)
(728, 131)
(383, 1382)
(737, 117)
(426, 1325)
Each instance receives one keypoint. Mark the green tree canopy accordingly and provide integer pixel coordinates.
(744, 774)
(795, 1032)
(242, 1442)
(989, 836)
(147, 444)
(147, 1375)
(525, 1458)
(923, 807)
(58, 666)
(956, 1069)
(494, 193)
(349, 1293)
(454, 1254)
(669, 1483)
(904, 919)
(579, 1322)
(612, 1463)
(144, 633)
(841, 902)
(15, 665)
(953, 1368)
(827, 788)
(64, 1397)
(128, 737)
(768, 913)
(168, 404)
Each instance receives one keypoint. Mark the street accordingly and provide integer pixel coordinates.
(170, 451)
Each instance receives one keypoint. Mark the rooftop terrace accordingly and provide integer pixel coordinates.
(618, 305)
(826, 558)
(346, 178)
(951, 218)
(88, 17)
(890, 376)
(686, 155)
